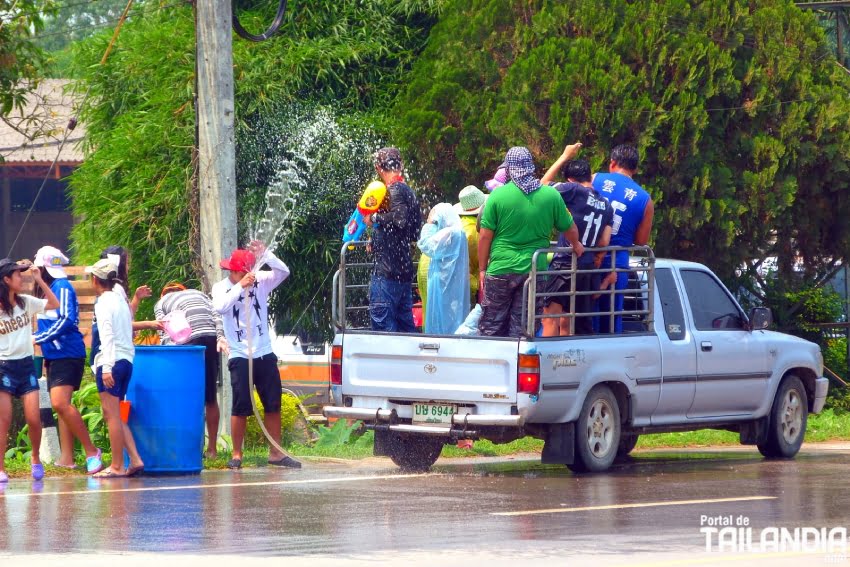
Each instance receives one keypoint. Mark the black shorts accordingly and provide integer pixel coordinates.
(65, 372)
(17, 377)
(266, 382)
(211, 366)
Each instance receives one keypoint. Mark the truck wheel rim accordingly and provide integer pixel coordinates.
(600, 428)
(792, 416)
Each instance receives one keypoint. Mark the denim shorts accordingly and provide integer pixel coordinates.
(121, 372)
(17, 377)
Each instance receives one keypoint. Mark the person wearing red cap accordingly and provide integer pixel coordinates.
(229, 299)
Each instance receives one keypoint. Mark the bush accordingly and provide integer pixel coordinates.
(289, 414)
(835, 358)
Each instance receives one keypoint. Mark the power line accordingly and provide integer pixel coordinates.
(76, 5)
(108, 22)
(72, 123)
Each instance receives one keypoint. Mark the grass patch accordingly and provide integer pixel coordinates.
(486, 448)
(825, 426)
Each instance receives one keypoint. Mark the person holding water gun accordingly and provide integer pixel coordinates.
(395, 226)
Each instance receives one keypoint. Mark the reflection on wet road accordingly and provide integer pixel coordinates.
(651, 503)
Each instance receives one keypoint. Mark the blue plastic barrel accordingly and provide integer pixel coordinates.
(166, 394)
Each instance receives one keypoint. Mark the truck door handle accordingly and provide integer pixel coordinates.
(706, 346)
(429, 346)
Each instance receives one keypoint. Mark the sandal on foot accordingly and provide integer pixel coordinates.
(109, 473)
(37, 470)
(133, 471)
(234, 464)
(94, 464)
(69, 467)
(286, 462)
(4, 478)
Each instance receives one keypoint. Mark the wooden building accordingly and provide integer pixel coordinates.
(29, 143)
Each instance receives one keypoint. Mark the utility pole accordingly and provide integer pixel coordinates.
(216, 151)
(216, 139)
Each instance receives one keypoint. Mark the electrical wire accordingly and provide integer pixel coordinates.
(273, 29)
(72, 123)
(108, 22)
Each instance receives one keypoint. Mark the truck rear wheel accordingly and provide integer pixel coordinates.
(788, 418)
(415, 452)
(597, 431)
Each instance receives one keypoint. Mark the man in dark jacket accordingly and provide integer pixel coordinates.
(394, 227)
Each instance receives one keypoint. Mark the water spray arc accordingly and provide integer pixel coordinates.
(312, 167)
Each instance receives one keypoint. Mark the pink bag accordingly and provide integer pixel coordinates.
(177, 326)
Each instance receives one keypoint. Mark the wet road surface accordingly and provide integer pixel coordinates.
(511, 512)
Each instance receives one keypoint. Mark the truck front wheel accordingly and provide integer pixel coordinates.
(597, 431)
(788, 417)
(415, 452)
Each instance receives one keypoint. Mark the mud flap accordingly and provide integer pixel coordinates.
(559, 448)
(754, 432)
(382, 443)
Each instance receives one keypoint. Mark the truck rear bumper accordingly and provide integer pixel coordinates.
(389, 416)
(821, 388)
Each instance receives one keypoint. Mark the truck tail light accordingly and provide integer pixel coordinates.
(528, 374)
(336, 365)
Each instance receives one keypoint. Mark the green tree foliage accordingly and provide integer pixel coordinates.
(738, 109)
(136, 185)
(73, 21)
(20, 57)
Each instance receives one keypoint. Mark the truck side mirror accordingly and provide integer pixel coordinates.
(760, 318)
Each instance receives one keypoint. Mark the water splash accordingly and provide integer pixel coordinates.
(316, 166)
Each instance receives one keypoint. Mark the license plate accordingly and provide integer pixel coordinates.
(433, 413)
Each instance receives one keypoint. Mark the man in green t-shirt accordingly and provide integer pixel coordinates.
(519, 218)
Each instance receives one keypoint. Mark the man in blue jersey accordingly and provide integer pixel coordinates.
(633, 212)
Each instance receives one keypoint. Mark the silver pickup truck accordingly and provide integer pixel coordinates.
(689, 358)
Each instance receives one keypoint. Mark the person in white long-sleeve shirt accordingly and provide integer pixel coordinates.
(114, 364)
(248, 288)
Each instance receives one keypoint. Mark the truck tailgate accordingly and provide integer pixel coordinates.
(409, 367)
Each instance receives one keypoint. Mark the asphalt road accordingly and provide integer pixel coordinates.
(648, 510)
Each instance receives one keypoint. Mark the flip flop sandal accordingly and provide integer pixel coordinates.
(94, 464)
(133, 471)
(109, 473)
(286, 462)
(37, 471)
(234, 464)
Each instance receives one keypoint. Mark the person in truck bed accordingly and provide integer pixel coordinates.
(518, 220)
(594, 217)
(633, 212)
(443, 240)
(394, 227)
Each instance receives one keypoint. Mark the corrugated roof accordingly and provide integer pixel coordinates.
(35, 134)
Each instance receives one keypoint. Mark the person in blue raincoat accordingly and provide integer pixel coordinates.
(442, 239)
